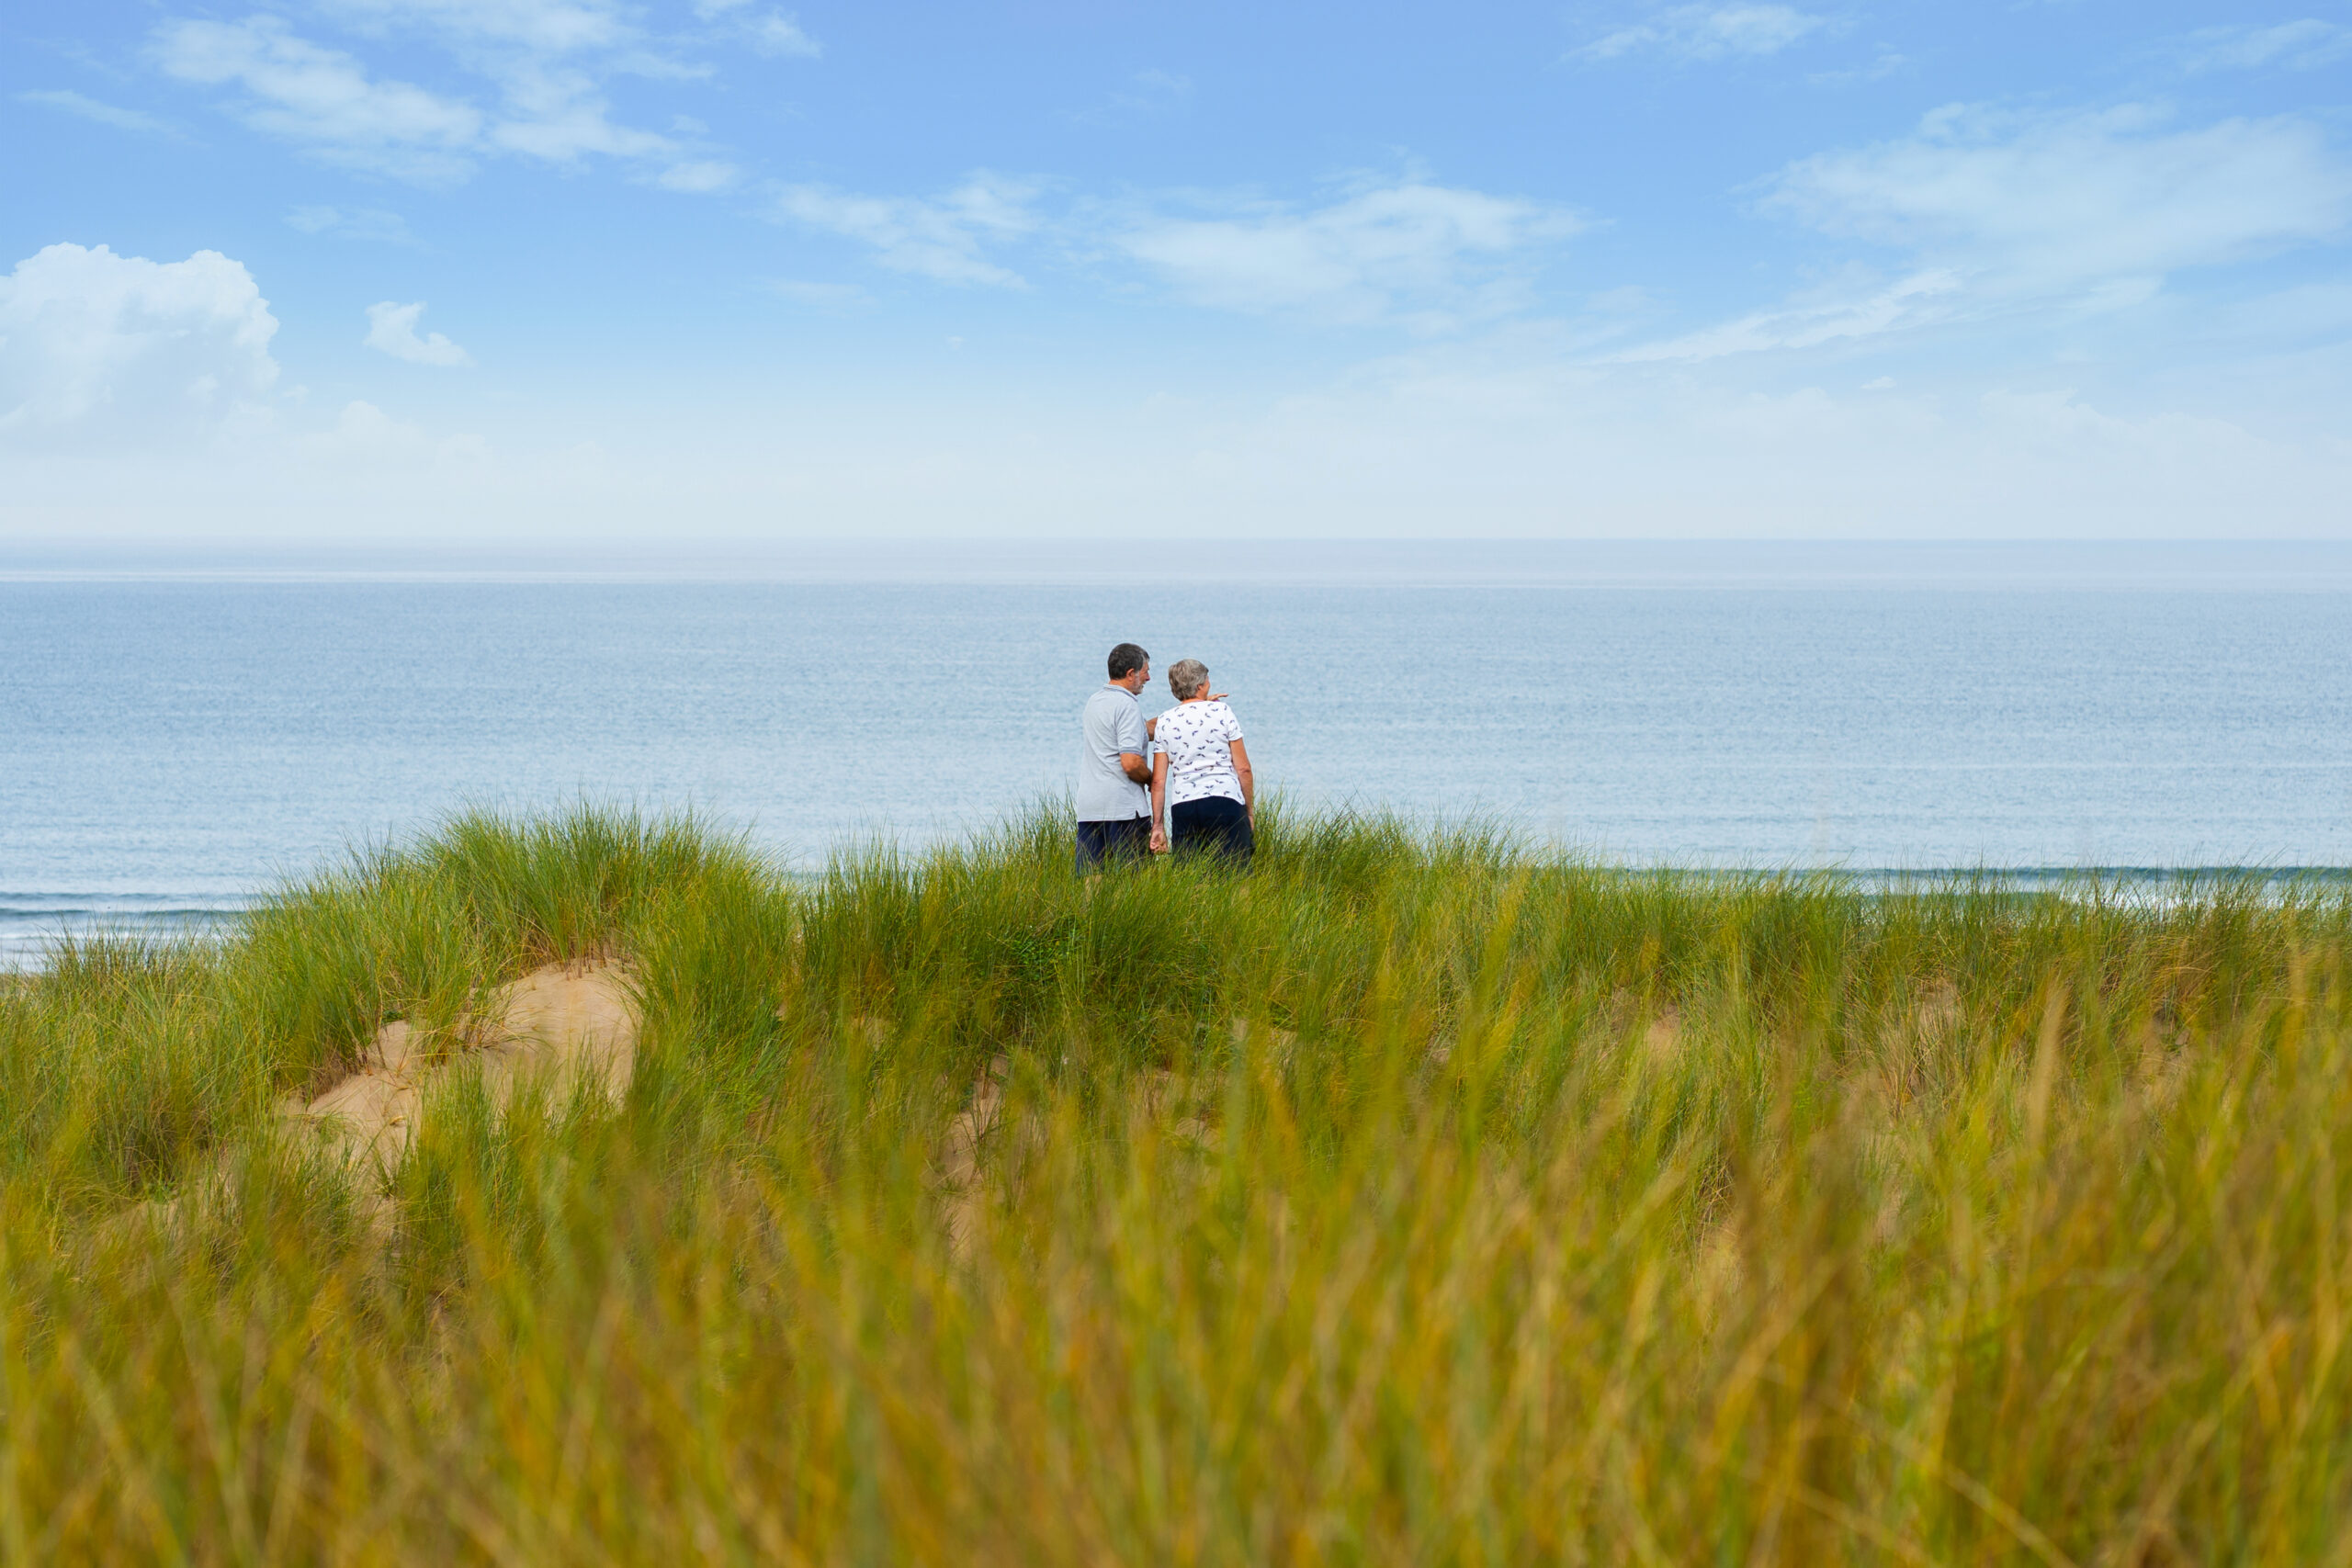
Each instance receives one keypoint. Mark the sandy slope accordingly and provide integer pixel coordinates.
(558, 1021)
(553, 1024)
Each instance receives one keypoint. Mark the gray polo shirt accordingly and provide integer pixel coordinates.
(1112, 723)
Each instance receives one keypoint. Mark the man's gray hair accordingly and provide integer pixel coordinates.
(1188, 678)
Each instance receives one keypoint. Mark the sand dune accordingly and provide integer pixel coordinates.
(557, 1024)
(556, 1021)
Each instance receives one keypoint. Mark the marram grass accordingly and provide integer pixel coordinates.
(1411, 1199)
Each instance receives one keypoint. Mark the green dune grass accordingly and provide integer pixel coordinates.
(1413, 1198)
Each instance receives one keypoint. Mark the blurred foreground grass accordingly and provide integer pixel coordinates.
(1411, 1199)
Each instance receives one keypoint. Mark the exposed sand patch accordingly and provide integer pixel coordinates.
(558, 1021)
(1662, 1040)
(959, 1155)
(554, 1024)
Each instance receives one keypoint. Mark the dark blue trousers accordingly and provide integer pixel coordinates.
(1099, 842)
(1217, 824)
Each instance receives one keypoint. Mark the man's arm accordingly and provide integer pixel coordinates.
(1135, 743)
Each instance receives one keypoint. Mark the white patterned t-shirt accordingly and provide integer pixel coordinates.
(1196, 737)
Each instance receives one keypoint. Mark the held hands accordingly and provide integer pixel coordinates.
(1159, 840)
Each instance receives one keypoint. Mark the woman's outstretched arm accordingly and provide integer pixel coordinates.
(1158, 802)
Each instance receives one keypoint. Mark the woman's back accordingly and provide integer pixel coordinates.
(1197, 738)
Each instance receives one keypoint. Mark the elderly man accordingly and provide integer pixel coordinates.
(1113, 806)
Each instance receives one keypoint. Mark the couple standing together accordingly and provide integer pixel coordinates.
(1181, 780)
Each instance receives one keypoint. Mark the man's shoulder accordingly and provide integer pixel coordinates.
(1112, 713)
(1113, 697)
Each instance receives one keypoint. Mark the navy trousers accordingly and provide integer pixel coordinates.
(1215, 825)
(1099, 842)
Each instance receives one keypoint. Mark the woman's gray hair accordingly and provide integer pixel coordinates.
(1188, 678)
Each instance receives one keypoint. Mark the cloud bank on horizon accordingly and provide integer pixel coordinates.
(734, 271)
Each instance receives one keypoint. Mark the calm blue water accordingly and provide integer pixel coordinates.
(174, 745)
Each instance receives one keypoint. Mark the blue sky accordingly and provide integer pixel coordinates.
(514, 271)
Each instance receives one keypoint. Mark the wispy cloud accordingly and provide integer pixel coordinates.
(944, 238)
(698, 177)
(1407, 251)
(2055, 200)
(368, 223)
(365, 437)
(1999, 212)
(559, 114)
(323, 98)
(392, 329)
(67, 101)
(1918, 300)
(2298, 45)
(543, 27)
(1410, 249)
(1707, 32)
(1886, 63)
(542, 68)
(769, 32)
(1145, 95)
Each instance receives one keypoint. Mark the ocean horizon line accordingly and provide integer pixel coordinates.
(2183, 565)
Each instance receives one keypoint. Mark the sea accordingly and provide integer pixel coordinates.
(181, 733)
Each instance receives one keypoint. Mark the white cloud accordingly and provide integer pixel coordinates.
(1708, 32)
(2004, 214)
(773, 33)
(1427, 252)
(364, 430)
(368, 223)
(363, 436)
(1918, 300)
(102, 349)
(1424, 254)
(556, 113)
(67, 101)
(2056, 201)
(323, 97)
(549, 27)
(2298, 45)
(770, 32)
(941, 238)
(543, 68)
(1886, 64)
(698, 177)
(392, 329)
(546, 62)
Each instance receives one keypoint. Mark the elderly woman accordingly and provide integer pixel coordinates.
(1201, 789)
